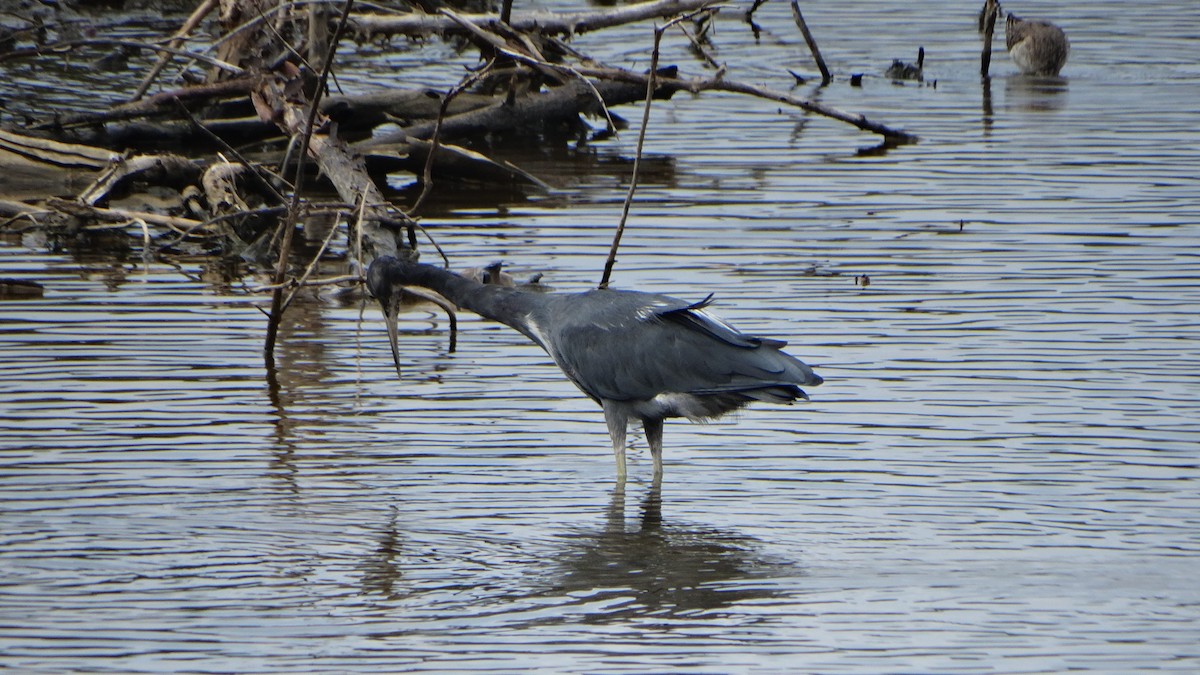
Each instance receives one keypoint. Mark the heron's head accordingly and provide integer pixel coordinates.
(384, 281)
(388, 279)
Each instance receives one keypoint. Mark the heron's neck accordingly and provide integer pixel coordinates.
(509, 306)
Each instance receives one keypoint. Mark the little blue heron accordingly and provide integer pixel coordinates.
(1037, 47)
(639, 355)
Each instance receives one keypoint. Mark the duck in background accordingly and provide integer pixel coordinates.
(1037, 47)
(900, 70)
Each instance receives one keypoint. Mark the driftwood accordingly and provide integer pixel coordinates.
(56, 153)
(530, 82)
(531, 111)
(402, 106)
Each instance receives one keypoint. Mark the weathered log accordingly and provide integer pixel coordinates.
(162, 103)
(56, 152)
(362, 112)
(534, 110)
(157, 169)
(451, 162)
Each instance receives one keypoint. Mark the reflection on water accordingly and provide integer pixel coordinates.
(654, 568)
(1035, 94)
(999, 475)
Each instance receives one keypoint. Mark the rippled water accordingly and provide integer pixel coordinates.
(1000, 474)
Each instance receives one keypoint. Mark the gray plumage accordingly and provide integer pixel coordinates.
(639, 355)
(1037, 47)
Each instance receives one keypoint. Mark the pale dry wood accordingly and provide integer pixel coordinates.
(56, 152)
(157, 169)
(343, 167)
(122, 217)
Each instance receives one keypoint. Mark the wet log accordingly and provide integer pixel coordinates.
(533, 110)
(162, 103)
(366, 111)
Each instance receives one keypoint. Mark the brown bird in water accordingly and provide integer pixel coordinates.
(1037, 47)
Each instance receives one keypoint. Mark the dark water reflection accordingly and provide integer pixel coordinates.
(669, 569)
(1000, 474)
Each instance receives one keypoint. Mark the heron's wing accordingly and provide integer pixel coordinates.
(696, 317)
(661, 345)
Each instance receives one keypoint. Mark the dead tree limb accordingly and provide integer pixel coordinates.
(853, 119)
(532, 110)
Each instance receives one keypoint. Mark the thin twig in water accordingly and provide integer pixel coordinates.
(176, 42)
(323, 281)
(68, 45)
(255, 170)
(435, 139)
(311, 266)
(637, 159)
(289, 222)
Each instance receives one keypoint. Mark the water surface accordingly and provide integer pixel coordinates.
(1000, 474)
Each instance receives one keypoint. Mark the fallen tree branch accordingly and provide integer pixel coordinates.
(854, 119)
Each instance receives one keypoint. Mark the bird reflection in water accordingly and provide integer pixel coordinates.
(645, 565)
(1035, 94)
(662, 567)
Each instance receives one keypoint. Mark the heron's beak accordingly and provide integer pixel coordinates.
(390, 309)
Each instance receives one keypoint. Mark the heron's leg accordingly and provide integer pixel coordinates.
(617, 420)
(654, 433)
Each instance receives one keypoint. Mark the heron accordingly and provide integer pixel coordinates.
(1037, 47)
(640, 356)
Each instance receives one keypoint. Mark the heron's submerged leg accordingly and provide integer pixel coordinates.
(617, 420)
(654, 435)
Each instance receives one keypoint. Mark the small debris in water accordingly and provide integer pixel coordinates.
(14, 289)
